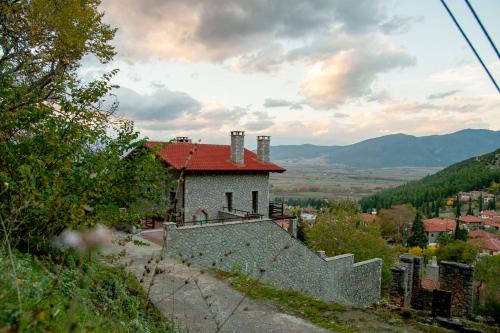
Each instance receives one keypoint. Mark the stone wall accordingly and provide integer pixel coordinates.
(208, 192)
(263, 250)
(455, 282)
(401, 278)
(458, 278)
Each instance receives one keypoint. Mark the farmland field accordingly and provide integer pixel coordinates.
(309, 180)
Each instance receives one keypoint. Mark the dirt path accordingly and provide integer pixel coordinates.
(198, 300)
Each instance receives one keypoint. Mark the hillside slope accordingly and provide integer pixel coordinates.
(471, 174)
(399, 150)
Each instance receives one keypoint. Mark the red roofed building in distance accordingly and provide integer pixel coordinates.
(436, 226)
(471, 222)
(489, 214)
(217, 181)
(368, 218)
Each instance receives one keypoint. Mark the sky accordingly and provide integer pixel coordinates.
(327, 72)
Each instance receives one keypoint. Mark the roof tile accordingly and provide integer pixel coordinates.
(208, 157)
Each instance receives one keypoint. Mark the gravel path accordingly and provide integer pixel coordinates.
(197, 300)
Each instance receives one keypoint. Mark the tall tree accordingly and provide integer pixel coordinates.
(62, 147)
(418, 237)
(469, 209)
(480, 202)
(492, 204)
(458, 208)
(339, 229)
(395, 222)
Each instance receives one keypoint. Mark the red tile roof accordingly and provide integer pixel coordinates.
(494, 223)
(480, 234)
(490, 213)
(439, 225)
(207, 157)
(368, 218)
(471, 219)
(492, 244)
(428, 284)
(283, 223)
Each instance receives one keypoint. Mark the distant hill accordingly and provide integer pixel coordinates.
(399, 150)
(472, 174)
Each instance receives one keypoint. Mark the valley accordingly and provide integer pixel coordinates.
(305, 179)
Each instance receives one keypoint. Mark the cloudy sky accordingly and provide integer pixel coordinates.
(303, 71)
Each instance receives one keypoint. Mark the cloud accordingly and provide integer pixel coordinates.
(259, 121)
(406, 106)
(277, 103)
(340, 115)
(398, 24)
(267, 60)
(216, 30)
(443, 94)
(349, 74)
(162, 104)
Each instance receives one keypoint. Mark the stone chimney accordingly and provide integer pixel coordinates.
(238, 147)
(263, 148)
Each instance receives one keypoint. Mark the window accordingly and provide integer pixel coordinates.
(172, 196)
(255, 201)
(229, 201)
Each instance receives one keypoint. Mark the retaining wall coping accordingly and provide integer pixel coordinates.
(367, 262)
(341, 256)
(457, 264)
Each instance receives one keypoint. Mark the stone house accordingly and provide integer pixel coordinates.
(217, 182)
(437, 226)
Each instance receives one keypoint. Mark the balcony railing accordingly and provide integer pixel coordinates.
(220, 220)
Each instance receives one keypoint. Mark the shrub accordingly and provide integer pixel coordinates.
(458, 251)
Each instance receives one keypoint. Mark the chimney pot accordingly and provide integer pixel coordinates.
(263, 142)
(182, 139)
(238, 147)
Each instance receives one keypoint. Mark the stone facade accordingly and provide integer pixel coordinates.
(459, 279)
(207, 192)
(263, 250)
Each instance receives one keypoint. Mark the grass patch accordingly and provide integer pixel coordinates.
(68, 293)
(318, 312)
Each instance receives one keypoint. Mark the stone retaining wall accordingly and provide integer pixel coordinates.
(458, 278)
(263, 250)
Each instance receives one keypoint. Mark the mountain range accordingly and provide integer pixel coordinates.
(397, 150)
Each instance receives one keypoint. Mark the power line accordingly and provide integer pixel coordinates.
(471, 46)
(482, 27)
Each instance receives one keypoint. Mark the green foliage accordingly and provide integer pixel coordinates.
(418, 237)
(69, 293)
(460, 233)
(492, 204)
(62, 149)
(340, 229)
(395, 222)
(487, 271)
(458, 251)
(444, 239)
(471, 174)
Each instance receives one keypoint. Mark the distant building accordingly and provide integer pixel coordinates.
(368, 218)
(218, 181)
(436, 226)
(306, 217)
(471, 222)
(489, 214)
